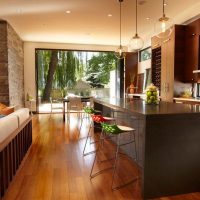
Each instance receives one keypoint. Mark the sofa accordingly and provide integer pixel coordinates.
(15, 140)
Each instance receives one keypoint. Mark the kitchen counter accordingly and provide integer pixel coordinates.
(139, 106)
(167, 142)
(189, 99)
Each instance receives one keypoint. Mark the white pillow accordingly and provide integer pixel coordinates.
(7, 125)
(22, 114)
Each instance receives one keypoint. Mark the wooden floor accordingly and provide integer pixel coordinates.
(55, 169)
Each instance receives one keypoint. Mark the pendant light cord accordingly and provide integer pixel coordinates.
(120, 23)
(136, 17)
(163, 8)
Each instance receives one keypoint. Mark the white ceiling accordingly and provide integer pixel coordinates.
(88, 23)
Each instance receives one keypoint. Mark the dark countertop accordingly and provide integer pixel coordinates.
(197, 99)
(139, 106)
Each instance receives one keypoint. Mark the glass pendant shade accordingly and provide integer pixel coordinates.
(120, 52)
(136, 43)
(163, 27)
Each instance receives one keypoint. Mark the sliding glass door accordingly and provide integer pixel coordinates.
(60, 73)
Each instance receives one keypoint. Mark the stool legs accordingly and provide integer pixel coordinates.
(116, 157)
(88, 135)
(95, 158)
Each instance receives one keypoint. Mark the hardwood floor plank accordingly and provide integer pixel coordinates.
(55, 169)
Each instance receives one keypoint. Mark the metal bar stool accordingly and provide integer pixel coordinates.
(117, 131)
(88, 111)
(96, 119)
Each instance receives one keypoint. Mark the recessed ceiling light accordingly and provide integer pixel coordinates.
(109, 15)
(147, 18)
(165, 4)
(68, 11)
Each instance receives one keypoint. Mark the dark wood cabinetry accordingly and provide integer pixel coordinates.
(156, 67)
(179, 53)
(192, 50)
(131, 68)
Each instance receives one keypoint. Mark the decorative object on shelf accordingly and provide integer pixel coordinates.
(152, 95)
(163, 27)
(120, 54)
(136, 42)
(131, 87)
(28, 97)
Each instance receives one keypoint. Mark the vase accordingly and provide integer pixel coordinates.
(131, 87)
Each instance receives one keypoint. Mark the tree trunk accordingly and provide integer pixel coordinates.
(52, 67)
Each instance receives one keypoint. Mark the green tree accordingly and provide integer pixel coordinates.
(52, 67)
(99, 67)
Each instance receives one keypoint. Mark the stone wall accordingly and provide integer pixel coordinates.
(15, 68)
(4, 91)
(13, 65)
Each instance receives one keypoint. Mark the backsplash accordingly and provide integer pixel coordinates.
(182, 89)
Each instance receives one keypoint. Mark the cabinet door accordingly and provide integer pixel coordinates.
(192, 50)
(167, 68)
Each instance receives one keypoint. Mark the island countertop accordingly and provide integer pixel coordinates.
(139, 106)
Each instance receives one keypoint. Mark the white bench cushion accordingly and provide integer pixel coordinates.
(22, 114)
(8, 124)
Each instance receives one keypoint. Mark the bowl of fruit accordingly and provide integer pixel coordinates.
(152, 95)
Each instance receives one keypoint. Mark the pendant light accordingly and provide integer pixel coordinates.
(163, 26)
(136, 42)
(120, 54)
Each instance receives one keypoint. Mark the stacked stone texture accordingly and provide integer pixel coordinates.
(11, 66)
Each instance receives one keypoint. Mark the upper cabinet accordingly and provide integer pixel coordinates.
(192, 50)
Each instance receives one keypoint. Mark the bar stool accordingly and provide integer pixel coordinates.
(96, 119)
(88, 111)
(116, 131)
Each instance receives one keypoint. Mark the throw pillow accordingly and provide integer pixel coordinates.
(2, 106)
(7, 111)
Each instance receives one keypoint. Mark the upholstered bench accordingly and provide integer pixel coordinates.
(15, 140)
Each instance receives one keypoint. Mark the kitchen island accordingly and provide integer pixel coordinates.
(167, 140)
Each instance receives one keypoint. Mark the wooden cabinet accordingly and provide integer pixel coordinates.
(172, 61)
(192, 50)
(167, 68)
(166, 75)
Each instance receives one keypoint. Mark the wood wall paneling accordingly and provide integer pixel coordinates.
(140, 82)
(131, 67)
